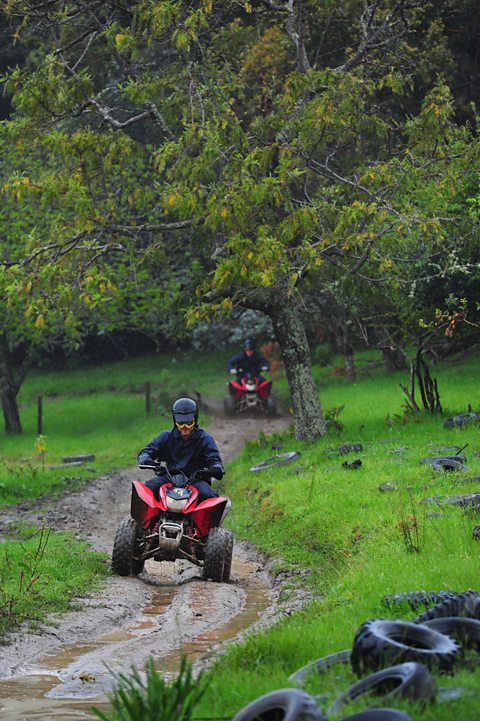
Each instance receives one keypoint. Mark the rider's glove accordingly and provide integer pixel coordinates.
(203, 475)
(216, 472)
(264, 368)
(233, 370)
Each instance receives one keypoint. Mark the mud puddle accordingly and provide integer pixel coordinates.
(65, 684)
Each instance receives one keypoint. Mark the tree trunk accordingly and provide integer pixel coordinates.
(343, 343)
(11, 415)
(308, 419)
(394, 358)
(12, 374)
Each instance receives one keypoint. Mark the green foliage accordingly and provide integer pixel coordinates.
(332, 530)
(194, 159)
(152, 698)
(99, 410)
(41, 572)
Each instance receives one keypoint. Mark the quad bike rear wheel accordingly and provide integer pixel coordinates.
(218, 555)
(124, 547)
(229, 405)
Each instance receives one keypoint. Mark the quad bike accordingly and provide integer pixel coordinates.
(249, 393)
(175, 526)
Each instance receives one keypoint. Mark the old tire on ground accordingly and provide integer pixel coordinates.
(405, 680)
(465, 630)
(379, 714)
(299, 677)
(124, 547)
(465, 604)
(229, 405)
(417, 598)
(381, 642)
(275, 461)
(286, 704)
(216, 554)
(271, 406)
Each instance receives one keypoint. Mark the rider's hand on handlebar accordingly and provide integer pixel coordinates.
(202, 475)
(150, 465)
(233, 371)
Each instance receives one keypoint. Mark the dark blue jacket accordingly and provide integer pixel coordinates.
(197, 452)
(248, 364)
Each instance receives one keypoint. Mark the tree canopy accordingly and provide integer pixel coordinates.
(243, 155)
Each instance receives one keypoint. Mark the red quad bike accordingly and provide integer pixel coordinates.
(249, 393)
(176, 526)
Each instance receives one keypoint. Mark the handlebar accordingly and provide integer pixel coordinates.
(169, 472)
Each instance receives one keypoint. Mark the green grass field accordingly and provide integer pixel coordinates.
(351, 543)
(348, 541)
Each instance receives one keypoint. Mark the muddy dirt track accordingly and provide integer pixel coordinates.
(166, 611)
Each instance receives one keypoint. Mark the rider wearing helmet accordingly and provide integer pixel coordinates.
(187, 448)
(248, 362)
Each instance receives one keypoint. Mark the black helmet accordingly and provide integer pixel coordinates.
(184, 410)
(249, 344)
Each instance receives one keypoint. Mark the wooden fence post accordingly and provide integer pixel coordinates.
(39, 416)
(148, 388)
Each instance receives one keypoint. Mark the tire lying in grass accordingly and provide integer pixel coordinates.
(405, 680)
(379, 714)
(417, 598)
(466, 500)
(346, 448)
(300, 676)
(275, 461)
(380, 642)
(465, 604)
(462, 419)
(465, 630)
(286, 704)
(446, 463)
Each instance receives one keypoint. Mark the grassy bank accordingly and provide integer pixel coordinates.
(99, 410)
(350, 542)
(42, 572)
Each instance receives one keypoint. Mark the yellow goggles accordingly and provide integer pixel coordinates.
(185, 425)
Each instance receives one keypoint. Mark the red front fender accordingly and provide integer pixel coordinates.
(208, 514)
(144, 505)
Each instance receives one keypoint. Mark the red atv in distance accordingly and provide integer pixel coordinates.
(249, 393)
(175, 526)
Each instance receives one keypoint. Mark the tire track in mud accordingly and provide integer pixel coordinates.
(165, 612)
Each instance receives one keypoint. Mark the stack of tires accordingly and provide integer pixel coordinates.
(394, 659)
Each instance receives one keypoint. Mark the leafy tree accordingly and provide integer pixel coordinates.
(272, 159)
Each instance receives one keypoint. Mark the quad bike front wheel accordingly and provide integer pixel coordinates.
(218, 555)
(229, 405)
(272, 406)
(124, 547)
